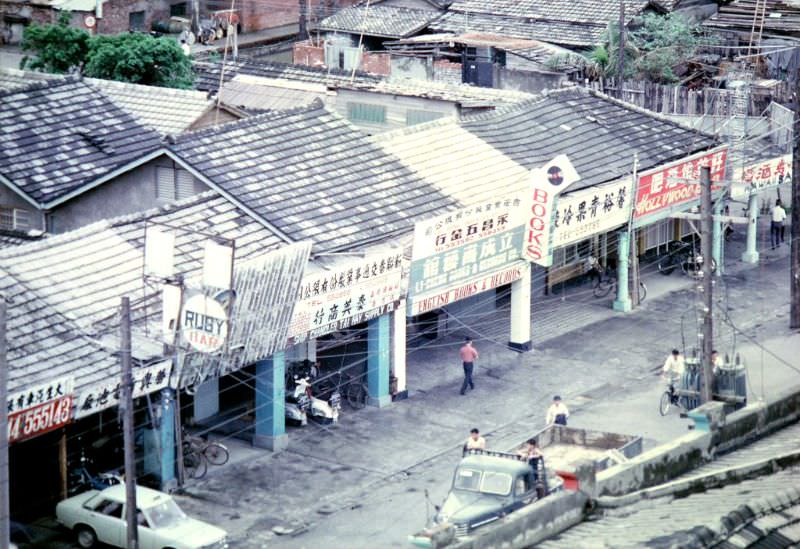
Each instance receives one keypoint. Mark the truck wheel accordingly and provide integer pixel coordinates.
(85, 537)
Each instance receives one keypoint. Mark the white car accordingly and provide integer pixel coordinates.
(100, 516)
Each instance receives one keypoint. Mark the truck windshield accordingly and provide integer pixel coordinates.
(496, 483)
(467, 479)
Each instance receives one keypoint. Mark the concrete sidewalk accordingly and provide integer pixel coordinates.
(362, 483)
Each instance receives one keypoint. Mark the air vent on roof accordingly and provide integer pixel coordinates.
(96, 140)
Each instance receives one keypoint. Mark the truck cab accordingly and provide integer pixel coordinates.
(487, 486)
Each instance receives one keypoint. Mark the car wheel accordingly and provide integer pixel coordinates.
(85, 537)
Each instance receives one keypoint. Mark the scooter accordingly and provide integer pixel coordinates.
(322, 411)
(298, 404)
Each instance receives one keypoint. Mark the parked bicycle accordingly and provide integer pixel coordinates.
(608, 283)
(352, 388)
(198, 453)
(684, 256)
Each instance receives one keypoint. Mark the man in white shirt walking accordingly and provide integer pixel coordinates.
(557, 413)
(777, 229)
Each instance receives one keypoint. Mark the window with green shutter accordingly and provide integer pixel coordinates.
(364, 112)
(414, 116)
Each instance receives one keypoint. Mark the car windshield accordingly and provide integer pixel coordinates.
(164, 514)
(496, 483)
(467, 479)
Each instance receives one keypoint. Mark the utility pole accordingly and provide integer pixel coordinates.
(5, 505)
(794, 242)
(195, 24)
(708, 295)
(621, 61)
(127, 424)
(301, 22)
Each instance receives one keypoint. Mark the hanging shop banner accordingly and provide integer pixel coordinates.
(546, 184)
(334, 300)
(461, 249)
(204, 323)
(107, 395)
(41, 409)
(675, 187)
(596, 210)
(761, 176)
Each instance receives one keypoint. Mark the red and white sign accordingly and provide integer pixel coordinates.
(205, 323)
(39, 419)
(757, 177)
(677, 184)
(425, 303)
(546, 183)
(39, 409)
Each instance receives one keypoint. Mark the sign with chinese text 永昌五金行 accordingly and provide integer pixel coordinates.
(346, 295)
(546, 183)
(103, 395)
(459, 249)
(204, 323)
(760, 176)
(591, 211)
(675, 187)
(39, 409)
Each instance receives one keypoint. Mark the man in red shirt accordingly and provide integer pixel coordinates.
(468, 356)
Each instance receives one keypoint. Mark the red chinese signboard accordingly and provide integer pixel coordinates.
(665, 188)
(39, 419)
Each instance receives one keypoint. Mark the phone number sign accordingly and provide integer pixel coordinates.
(40, 419)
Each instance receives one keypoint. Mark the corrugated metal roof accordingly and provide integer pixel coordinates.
(259, 93)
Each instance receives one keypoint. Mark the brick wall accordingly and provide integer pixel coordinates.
(446, 71)
(280, 12)
(376, 63)
(116, 14)
(11, 29)
(306, 53)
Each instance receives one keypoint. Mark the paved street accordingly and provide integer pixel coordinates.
(362, 483)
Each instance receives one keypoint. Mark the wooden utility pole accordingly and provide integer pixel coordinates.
(301, 21)
(706, 211)
(794, 242)
(5, 503)
(127, 425)
(621, 53)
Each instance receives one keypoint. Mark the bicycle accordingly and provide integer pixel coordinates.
(198, 453)
(683, 255)
(605, 284)
(671, 398)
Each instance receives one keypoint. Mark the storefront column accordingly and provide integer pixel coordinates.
(717, 249)
(270, 428)
(378, 361)
(399, 350)
(750, 254)
(520, 337)
(623, 301)
(166, 435)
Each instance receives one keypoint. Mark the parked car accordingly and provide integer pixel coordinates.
(99, 515)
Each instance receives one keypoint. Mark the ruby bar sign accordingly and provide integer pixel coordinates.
(40, 409)
(675, 186)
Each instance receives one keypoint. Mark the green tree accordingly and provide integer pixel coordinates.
(139, 58)
(59, 48)
(663, 43)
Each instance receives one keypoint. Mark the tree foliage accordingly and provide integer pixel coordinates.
(131, 57)
(139, 58)
(59, 48)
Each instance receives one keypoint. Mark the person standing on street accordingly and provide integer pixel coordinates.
(777, 230)
(475, 441)
(468, 356)
(557, 413)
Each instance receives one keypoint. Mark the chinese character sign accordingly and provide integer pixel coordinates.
(584, 213)
(766, 174)
(334, 300)
(40, 409)
(662, 190)
(108, 394)
(546, 183)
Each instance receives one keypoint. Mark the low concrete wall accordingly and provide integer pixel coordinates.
(530, 525)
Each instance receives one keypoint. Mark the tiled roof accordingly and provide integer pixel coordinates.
(464, 94)
(66, 289)
(15, 238)
(167, 110)
(783, 17)
(60, 135)
(313, 176)
(15, 78)
(256, 93)
(601, 135)
(207, 74)
(386, 21)
(573, 22)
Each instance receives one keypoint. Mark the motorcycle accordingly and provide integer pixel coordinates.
(82, 479)
(298, 404)
(321, 411)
